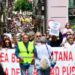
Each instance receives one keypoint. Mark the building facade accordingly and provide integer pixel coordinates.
(57, 10)
(52, 10)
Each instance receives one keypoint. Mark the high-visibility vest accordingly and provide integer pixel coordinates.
(23, 52)
(32, 42)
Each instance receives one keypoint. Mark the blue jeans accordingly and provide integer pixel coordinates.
(29, 68)
(44, 72)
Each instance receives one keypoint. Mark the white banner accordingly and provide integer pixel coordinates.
(9, 62)
(65, 61)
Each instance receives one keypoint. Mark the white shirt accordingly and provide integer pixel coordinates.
(65, 30)
(67, 45)
(42, 51)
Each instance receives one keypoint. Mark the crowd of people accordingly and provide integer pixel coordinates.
(34, 49)
(20, 22)
(66, 38)
(34, 53)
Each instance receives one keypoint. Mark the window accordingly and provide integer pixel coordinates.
(71, 3)
(71, 12)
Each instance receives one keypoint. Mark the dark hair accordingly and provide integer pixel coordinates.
(4, 43)
(68, 24)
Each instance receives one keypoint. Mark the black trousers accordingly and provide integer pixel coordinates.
(44, 72)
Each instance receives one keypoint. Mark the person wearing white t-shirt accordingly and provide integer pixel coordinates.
(44, 53)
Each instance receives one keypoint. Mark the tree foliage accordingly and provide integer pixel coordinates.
(23, 5)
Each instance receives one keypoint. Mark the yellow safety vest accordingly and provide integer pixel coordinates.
(32, 42)
(23, 52)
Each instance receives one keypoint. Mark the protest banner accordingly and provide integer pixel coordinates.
(54, 28)
(65, 61)
(9, 62)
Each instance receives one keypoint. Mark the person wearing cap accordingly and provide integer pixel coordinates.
(25, 53)
(42, 62)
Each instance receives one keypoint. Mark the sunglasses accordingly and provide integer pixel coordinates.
(38, 36)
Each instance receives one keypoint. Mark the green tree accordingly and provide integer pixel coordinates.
(29, 6)
(24, 5)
